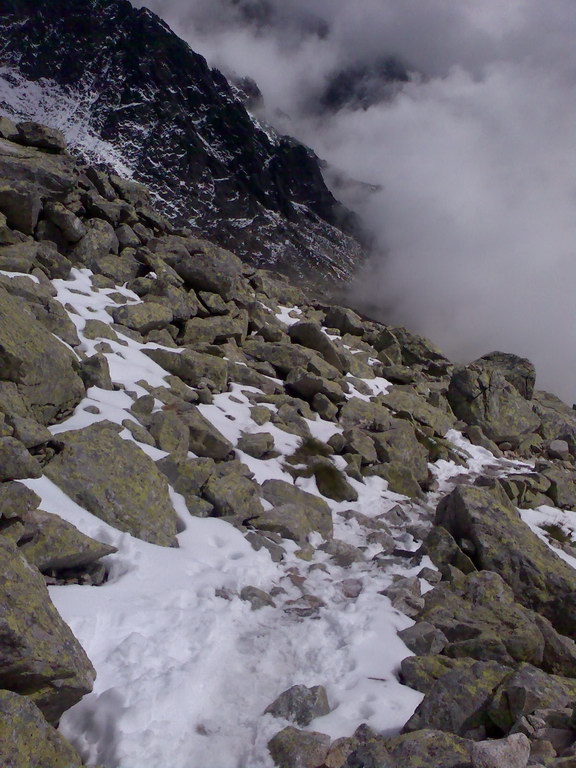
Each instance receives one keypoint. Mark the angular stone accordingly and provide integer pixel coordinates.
(345, 320)
(20, 202)
(116, 481)
(519, 371)
(210, 268)
(16, 499)
(48, 173)
(527, 690)
(99, 240)
(143, 317)
(42, 136)
(300, 704)
(421, 672)
(191, 366)
(204, 438)
(287, 520)
(27, 740)
(512, 752)
(170, 432)
(15, 461)
(406, 401)
(51, 543)
(316, 510)
(539, 578)
(458, 701)
(479, 394)
(399, 445)
(95, 372)
(233, 496)
(67, 222)
(257, 444)
(284, 357)
(311, 335)
(257, 598)
(430, 749)
(291, 748)
(39, 655)
(216, 330)
(423, 639)
(307, 385)
(365, 415)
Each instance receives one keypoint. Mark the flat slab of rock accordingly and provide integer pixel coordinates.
(116, 481)
(315, 510)
(430, 748)
(39, 655)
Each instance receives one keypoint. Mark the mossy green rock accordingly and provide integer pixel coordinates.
(116, 481)
(404, 400)
(41, 367)
(51, 543)
(233, 496)
(191, 366)
(479, 394)
(284, 357)
(502, 542)
(519, 371)
(457, 702)
(204, 439)
(170, 432)
(144, 317)
(482, 608)
(257, 444)
(430, 748)
(421, 672)
(311, 335)
(365, 415)
(316, 511)
(331, 482)
(216, 330)
(27, 740)
(290, 521)
(292, 748)
(210, 268)
(15, 461)
(526, 690)
(399, 445)
(39, 655)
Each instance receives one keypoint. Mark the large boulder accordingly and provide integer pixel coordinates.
(311, 335)
(39, 655)
(479, 394)
(499, 541)
(405, 401)
(27, 740)
(209, 268)
(292, 748)
(300, 704)
(144, 317)
(204, 438)
(519, 371)
(41, 367)
(459, 700)
(192, 367)
(48, 174)
(317, 511)
(116, 481)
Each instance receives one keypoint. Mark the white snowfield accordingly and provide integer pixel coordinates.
(184, 667)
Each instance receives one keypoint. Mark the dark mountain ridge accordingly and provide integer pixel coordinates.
(181, 128)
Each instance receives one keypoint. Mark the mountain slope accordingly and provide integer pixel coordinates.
(129, 91)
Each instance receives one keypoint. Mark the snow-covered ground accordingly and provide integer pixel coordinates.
(185, 668)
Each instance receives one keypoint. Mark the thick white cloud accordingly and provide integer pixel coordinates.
(476, 162)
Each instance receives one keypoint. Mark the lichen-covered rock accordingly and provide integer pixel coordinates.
(257, 444)
(430, 749)
(479, 394)
(300, 704)
(99, 240)
(41, 367)
(407, 402)
(204, 439)
(284, 357)
(539, 578)
(527, 690)
(143, 317)
(233, 495)
(20, 202)
(15, 461)
(308, 385)
(170, 432)
(27, 740)
(365, 415)
(33, 134)
(210, 268)
(421, 672)
(216, 330)
(311, 335)
(192, 367)
(39, 655)
(519, 371)
(51, 543)
(95, 372)
(116, 481)
(458, 701)
(345, 320)
(315, 510)
(399, 445)
(292, 748)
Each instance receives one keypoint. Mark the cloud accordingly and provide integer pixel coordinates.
(474, 159)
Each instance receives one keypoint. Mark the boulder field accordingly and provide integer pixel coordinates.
(491, 645)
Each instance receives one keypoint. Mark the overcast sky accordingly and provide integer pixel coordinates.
(475, 158)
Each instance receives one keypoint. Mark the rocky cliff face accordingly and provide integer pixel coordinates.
(129, 91)
(190, 445)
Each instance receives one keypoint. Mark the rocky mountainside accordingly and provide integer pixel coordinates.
(126, 90)
(240, 527)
